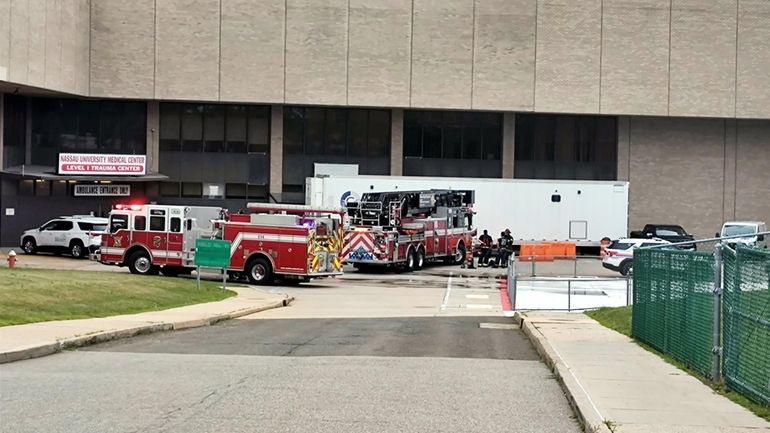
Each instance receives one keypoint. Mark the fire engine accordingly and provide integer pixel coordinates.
(404, 229)
(292, 243)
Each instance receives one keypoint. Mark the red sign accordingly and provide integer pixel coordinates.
(86, 164)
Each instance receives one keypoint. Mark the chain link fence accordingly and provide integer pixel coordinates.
(746, 317)
(681, 309)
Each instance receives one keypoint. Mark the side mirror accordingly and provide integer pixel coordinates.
(761, 238)
(716, 235)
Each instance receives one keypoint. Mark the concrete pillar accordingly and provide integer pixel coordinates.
(2, 129)
(509, 144)
(276, 151)
(153, 136)
(397, 142)
(624, 148)
(730, 173)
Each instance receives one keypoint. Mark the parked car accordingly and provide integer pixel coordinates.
(748, 228)
(620, 254)
(76, 235)
(669, 232)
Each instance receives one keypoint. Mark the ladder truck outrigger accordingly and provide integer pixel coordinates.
(406, 229)
(293, 243)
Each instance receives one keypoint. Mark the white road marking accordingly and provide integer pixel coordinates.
(498, 326)
(478, 306)
(448, 290)
(477, 296)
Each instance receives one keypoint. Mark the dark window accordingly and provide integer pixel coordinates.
(140, 223)
(192, 128)
(169, 189)
(15, 130)
(74, 125)
(214, 128)
(60, 226)
(118, 222)
(333, 136)
(259, 129)
(192, 189)
(175, 225)
(258, 192)
(235, 190)
(59, 188)
(26, 187)
(566, 147)
(169, 127)
(294, 130)
(42, 188)
(236, 128)
(158, 223)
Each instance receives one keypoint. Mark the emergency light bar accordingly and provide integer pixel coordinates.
(127, 207)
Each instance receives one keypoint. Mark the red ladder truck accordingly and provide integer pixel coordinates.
(405, 229)
(291, 243)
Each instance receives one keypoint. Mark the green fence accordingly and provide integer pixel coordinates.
(674, 304)
(674, 312)
(746, 317)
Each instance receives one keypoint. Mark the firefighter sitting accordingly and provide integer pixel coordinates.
(486, 249)
(505, 248)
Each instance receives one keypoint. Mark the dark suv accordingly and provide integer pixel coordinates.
(669, 232)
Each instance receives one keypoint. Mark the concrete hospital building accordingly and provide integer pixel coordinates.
(231, 101)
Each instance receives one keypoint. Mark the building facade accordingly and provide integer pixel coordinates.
(233, 101)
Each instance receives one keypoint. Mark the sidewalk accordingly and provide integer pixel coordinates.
(44, 338)
(617, 386)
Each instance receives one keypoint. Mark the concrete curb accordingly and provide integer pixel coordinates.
(100, 337)
(587, 414)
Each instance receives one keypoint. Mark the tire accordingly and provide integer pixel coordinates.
(419, 259)
(77, 250)
(29, 246)
(259, 271)
(459, 256)
(410, 261)
(140, 264)
(627, 268)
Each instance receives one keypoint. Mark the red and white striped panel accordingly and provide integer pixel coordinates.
(354, 240)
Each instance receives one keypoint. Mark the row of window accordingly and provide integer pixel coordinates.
(336, 131)
(75, 125)
(453, 135)
(227, 190)
(214, 128)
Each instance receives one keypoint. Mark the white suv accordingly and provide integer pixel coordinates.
(620, 254)
(77, 235)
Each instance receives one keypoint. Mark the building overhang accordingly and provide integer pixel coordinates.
(40, 172)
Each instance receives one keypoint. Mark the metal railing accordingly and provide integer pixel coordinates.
(564, 285)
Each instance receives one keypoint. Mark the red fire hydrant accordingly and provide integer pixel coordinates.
(12, 259)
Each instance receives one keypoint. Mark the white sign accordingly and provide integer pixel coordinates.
(102, 190)
(10, 211)
(86, 164)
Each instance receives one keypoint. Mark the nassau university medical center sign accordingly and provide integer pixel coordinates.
(90, 164)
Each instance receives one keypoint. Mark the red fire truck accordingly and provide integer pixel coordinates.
(293, 243)
(404, 229)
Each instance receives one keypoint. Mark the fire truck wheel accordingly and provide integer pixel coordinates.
(140, 264)
(459, 256)
(259, 271)
(410, 261)
(419, 259)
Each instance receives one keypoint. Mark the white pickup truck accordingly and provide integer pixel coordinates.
(751, 229)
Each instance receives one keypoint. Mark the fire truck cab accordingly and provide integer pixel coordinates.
(405, 229)
(295, 243)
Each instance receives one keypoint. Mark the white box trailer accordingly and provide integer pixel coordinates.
(534, 210)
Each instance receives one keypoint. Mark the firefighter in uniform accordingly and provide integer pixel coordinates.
(486, 249)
